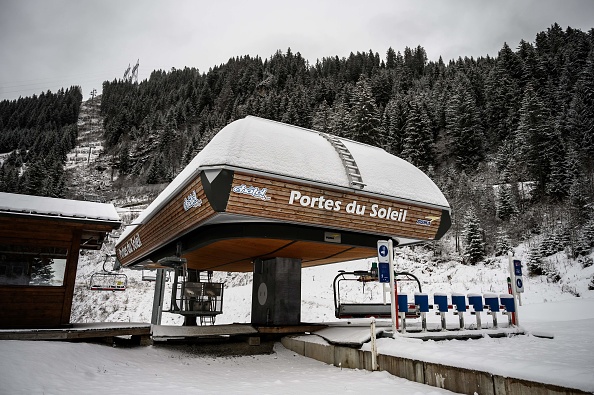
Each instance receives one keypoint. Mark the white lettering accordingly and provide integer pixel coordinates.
(305, 200)
(294, 195)
(389, 213)
(323, 203)
(132, 245)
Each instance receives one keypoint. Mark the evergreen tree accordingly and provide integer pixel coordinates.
(365, 122)
(550, 245)
(506, 207)
(157, 172)
(581, 112)
(474, 245)
(33, 179)
(463, 127)
(417, 140)
(322, 118)
(124, 165)
(559, 178)
(534, 138)
(534, 262)
(395, 117)
(502, 243)
(391, 58)
(339, 121)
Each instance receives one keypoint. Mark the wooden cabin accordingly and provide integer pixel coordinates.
(40, 240)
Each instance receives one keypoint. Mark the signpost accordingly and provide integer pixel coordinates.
(517, 284)
(385, 257)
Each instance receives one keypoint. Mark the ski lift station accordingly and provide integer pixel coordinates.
(40, 240)
(272, 198)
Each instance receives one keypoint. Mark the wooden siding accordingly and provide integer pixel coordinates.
(169, 223)
(238, 254)
(31, 307)
(172, 222)
(279, 208)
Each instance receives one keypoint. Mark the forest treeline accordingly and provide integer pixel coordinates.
(509, 139)
(38, 132)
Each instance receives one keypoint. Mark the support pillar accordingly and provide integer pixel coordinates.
(276, 292)
(158, 297)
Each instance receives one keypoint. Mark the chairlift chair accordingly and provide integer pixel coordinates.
(195, 295)
(108, 280)
(365, 310)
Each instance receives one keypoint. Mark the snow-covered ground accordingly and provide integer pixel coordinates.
(78, 368)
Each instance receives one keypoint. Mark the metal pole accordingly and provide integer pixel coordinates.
(513, 278)
(373, 346)
(392, 291)
(158, 297)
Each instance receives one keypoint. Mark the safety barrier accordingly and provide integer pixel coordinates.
(459, 305)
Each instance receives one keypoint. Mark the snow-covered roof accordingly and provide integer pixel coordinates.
(276, 148)
(273, 147)
(46, 206)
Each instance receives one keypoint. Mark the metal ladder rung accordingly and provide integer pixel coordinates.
(348, 161)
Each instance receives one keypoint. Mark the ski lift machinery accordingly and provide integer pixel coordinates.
(363, 310)
(108, 280)
(193, 293)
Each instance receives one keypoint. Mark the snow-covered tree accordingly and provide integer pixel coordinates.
(322, 118)
(502, 243)
(365, 117)
(417, 142)
(505, 205)
(534, 262)
(474, 245)
(551, 244)
(464, 127)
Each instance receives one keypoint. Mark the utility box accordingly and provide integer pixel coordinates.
(276, 293)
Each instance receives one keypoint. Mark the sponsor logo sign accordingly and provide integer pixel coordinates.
(427, 221)
(258, 193)
(192, 201)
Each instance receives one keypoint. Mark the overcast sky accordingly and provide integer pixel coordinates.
(48, 44)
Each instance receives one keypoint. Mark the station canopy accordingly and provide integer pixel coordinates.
(264, 189)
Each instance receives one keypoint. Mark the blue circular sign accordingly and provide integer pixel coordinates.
(383, 250)
(519, 283)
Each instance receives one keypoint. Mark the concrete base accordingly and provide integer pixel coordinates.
(452, 378)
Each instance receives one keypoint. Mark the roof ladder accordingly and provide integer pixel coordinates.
(350, 166)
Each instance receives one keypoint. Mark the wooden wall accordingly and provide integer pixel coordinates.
(279, 208)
